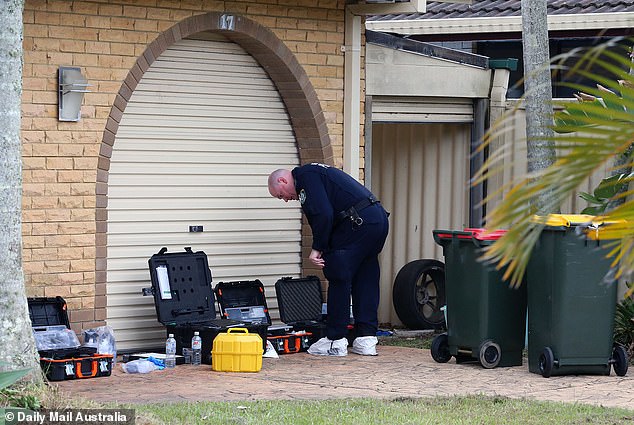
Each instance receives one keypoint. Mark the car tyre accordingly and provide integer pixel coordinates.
(419, 293)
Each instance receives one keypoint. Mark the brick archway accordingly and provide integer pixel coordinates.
(299, 96)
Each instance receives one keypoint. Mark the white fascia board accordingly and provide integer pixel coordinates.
(412, 6)
(501, 24)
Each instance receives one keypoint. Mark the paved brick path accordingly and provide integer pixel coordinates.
(395, 372)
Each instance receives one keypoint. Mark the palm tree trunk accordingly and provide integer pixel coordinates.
(16, 335)
(538, 95)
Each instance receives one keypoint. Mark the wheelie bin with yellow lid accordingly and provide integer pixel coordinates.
(486, 318)
(572, 299)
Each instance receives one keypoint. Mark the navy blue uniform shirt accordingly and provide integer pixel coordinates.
(323, 192)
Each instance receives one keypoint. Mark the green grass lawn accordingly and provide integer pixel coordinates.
(437, 411)
(422, 341)
(475, 409)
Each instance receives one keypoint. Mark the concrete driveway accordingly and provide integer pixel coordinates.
(395, 372)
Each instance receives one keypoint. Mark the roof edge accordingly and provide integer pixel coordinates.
(501, 24)
(426, 49)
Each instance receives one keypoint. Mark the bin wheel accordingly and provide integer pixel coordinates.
(546, 362)
(489, 354)
(418, 294)
(440, 348)
(620, 360)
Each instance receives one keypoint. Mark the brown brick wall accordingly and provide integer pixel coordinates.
(63, 250)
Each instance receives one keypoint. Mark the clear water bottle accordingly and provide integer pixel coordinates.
(197, 345)
(170, 351)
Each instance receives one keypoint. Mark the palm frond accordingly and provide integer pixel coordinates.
(588, 135)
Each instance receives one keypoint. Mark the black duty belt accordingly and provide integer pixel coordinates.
(352, 213)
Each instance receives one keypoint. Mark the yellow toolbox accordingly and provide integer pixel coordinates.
(237, 350)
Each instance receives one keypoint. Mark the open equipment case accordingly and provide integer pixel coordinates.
(243, 300)
(185, 302)
(61, 355)
(246, 300)
(300, 302)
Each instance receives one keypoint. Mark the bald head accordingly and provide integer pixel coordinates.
(282, 185)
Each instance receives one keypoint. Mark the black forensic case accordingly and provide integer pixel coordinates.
(246, 300)
(49, 315)
(243, 300)
(185, 302)
(300, 303)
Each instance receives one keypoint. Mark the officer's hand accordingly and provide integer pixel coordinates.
(315, 258)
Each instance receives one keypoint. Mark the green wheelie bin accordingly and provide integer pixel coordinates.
(486, 319)
(572, 300)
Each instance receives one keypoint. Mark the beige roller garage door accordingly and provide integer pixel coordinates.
(197, 140)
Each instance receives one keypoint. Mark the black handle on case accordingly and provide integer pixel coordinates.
(188, 311)
(164, 250)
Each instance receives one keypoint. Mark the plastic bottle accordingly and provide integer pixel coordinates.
(197, 345)
(170, 351)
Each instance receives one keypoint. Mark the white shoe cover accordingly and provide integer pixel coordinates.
(328, 347)
(365, 345)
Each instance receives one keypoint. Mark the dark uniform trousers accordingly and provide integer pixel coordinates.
(352, 269)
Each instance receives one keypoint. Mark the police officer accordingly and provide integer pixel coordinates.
(349, 230)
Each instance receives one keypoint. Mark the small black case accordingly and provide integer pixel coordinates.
(72, 362)
(300, 303)
(299, 300)
(243, 300)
